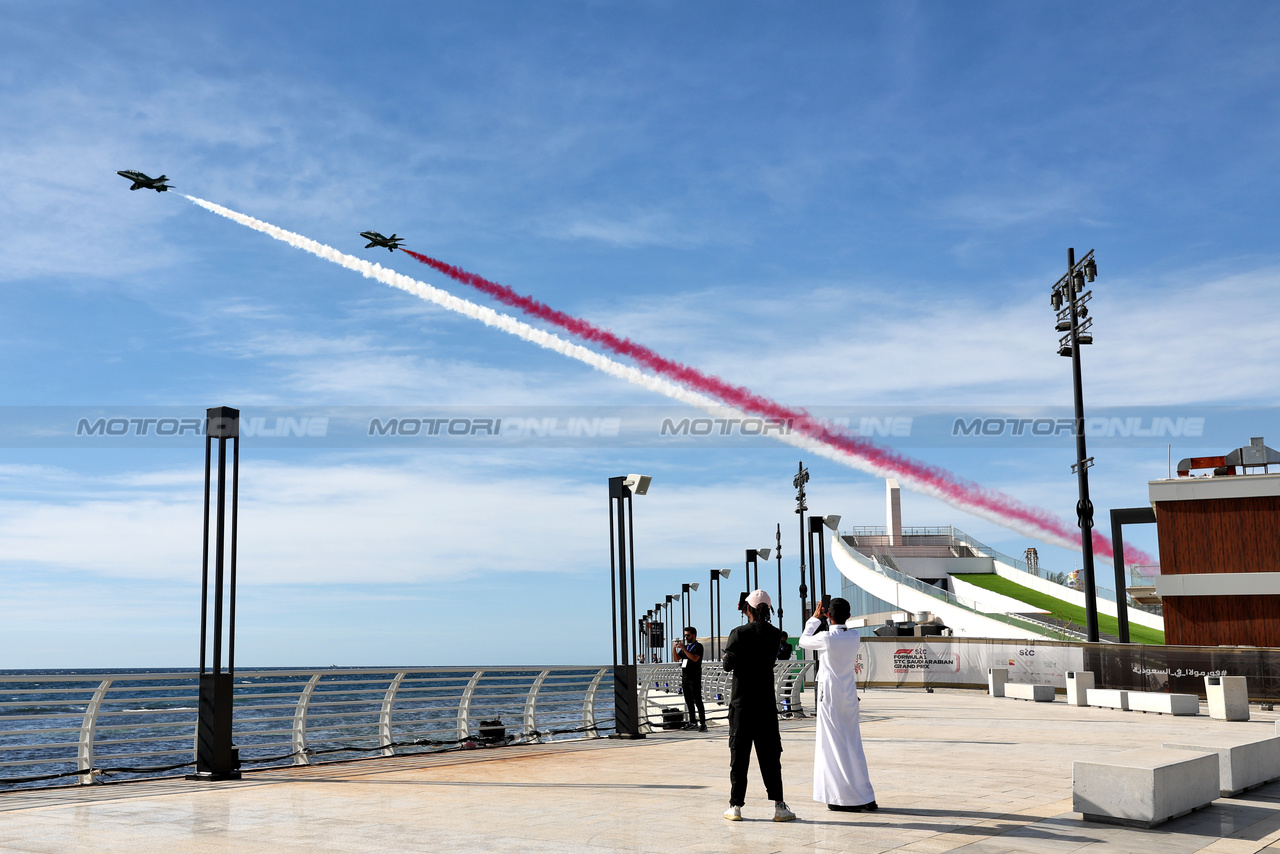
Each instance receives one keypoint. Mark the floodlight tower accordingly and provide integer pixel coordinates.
(1070, 303)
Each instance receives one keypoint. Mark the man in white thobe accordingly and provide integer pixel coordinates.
(839, 766)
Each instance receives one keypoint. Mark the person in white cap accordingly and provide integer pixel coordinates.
(749, 655)
(840, 778)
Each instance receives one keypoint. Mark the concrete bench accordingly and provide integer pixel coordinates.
(1228, 697)
(1079, 682)
(1165, 704)
(1107, 698)
(1026, 691)
(1144, 787)
(1244, 761)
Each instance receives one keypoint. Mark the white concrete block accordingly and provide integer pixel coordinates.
(1078, 682)
(1228, 697)
(1027, 691)
(996, 679)
(1244, 761)
(1165, 704)
(1107, 698)
(1144, 787)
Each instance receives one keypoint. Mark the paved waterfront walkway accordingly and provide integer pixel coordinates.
(953, 770)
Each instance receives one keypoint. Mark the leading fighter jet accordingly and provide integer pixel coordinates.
(391, 244)
(142, 182)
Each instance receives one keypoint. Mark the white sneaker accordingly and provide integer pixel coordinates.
(735, 814)
(781, 812)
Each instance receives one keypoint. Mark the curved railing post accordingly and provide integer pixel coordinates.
(84, 751)
(464, 707)
(300, 722)
(645, 676)
(589, 703)
(531, 707)
(384, 719)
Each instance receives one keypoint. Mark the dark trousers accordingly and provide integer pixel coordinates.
(692, 690)
(748, 727)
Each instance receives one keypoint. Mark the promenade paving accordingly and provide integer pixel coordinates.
(953, 771)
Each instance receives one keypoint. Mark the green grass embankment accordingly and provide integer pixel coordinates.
(1057, 607)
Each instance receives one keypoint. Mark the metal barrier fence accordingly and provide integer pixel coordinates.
(660, 684)
(95, 725)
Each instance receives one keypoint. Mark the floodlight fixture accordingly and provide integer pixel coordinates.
(724, 573)
(638, 483)
(693, 586)
(832, 521)
(764, 553)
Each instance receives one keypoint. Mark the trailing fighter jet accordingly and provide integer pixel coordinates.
(142, 182)
(391, 244)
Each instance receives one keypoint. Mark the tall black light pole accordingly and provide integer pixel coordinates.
(717, 616)
(662, 632)
(801, 509)
(778, 555)
(1070, 302)
(216, 757)
(754, 556)
(816, 524)
(622, 588)
(688, 590)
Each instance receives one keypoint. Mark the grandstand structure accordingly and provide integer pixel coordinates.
(896, 574)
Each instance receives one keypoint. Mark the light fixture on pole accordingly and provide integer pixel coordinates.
(753, 563)
(687, 589)
(778, 555)
(671, 637)
(622, 587)
(1070, 303)
(717, 619)
(216, 757)
(816, 524)
(801, 478)
(661, 632)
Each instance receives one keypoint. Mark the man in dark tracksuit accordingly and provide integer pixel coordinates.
(750, 654)
(689, 653)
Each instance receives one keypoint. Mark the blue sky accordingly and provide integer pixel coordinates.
(836, 205)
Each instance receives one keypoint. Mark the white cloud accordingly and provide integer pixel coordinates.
(407, 520)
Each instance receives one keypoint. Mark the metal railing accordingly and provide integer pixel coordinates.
(60, 726)
(661, 684)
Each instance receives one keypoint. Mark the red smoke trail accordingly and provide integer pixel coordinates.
(935, 477)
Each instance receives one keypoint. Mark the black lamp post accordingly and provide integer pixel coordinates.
(754, 556)
(671, 629)
(216, 757)
(622, 587)
(778, 555)
(717, 619)
(1070, 302)
(688, 590)
(801, 509)
(816, 524)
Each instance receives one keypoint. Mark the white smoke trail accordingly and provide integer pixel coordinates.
(622, 371)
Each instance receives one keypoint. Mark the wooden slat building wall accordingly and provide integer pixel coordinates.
(1212, 526)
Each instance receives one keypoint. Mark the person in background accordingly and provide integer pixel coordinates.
(749, 655)
(789, 681)
(689, 653)
(840, 778)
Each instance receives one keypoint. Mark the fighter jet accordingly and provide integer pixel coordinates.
(142, 182)
(391, 244)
